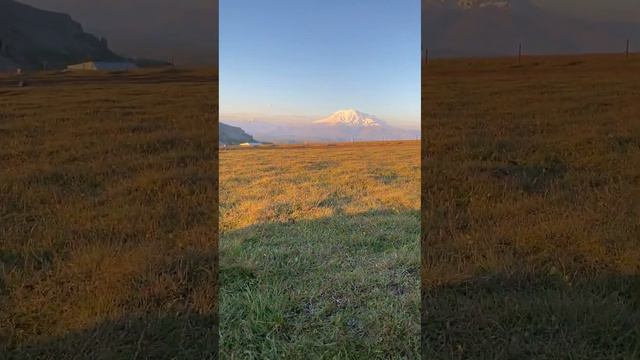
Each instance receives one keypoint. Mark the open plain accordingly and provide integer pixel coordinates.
(107, 215)
(531, 208)
(319, 251)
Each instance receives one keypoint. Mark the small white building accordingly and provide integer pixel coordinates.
(251, 144)
(104, 66)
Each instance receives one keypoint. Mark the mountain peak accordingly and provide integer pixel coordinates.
(352, 118)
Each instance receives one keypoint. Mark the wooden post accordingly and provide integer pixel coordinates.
(627, 52)
(426, 56)
(519, 53)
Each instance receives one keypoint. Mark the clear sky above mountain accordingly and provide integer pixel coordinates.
(186, 30)
(311, 58)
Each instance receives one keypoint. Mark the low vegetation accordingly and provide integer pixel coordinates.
(531, 209)
(531, 221)
(107, 216)
(319, 253)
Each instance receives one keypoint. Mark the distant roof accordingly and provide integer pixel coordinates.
(103, 65)
(106, 62)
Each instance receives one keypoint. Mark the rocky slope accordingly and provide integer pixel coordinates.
(232, 135)
(185, 31)
(33, 39)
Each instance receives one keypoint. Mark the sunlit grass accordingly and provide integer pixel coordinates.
(107, 205)
(319, 251)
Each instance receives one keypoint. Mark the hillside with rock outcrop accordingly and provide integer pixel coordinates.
(31, 38)
(233, 135)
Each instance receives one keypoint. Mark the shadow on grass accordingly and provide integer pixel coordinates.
(533, 316)
(170, 313)
(182, 336)
(343, 286)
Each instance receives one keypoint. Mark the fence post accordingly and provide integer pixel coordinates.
(627, 52)
(519, 53)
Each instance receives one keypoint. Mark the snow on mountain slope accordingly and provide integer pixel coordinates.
(343, 125)
(351, 118)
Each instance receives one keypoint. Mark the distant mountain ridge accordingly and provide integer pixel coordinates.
(341, 126)
(33, 39)
(479, 28)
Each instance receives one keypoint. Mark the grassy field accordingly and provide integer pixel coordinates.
(531, 209)
(107, 216)
(531, 222)
(319, 253)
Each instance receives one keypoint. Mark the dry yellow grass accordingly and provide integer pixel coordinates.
(319, 251)
(531, 214)
(107, 215)
(531, 208)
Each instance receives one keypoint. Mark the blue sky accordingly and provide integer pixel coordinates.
(314, 57)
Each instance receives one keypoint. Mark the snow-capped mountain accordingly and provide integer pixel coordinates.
(351, 118)
(343, 125)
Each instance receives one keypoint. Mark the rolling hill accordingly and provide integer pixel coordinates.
(33, 39)
(185, 31)
(232, 135)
